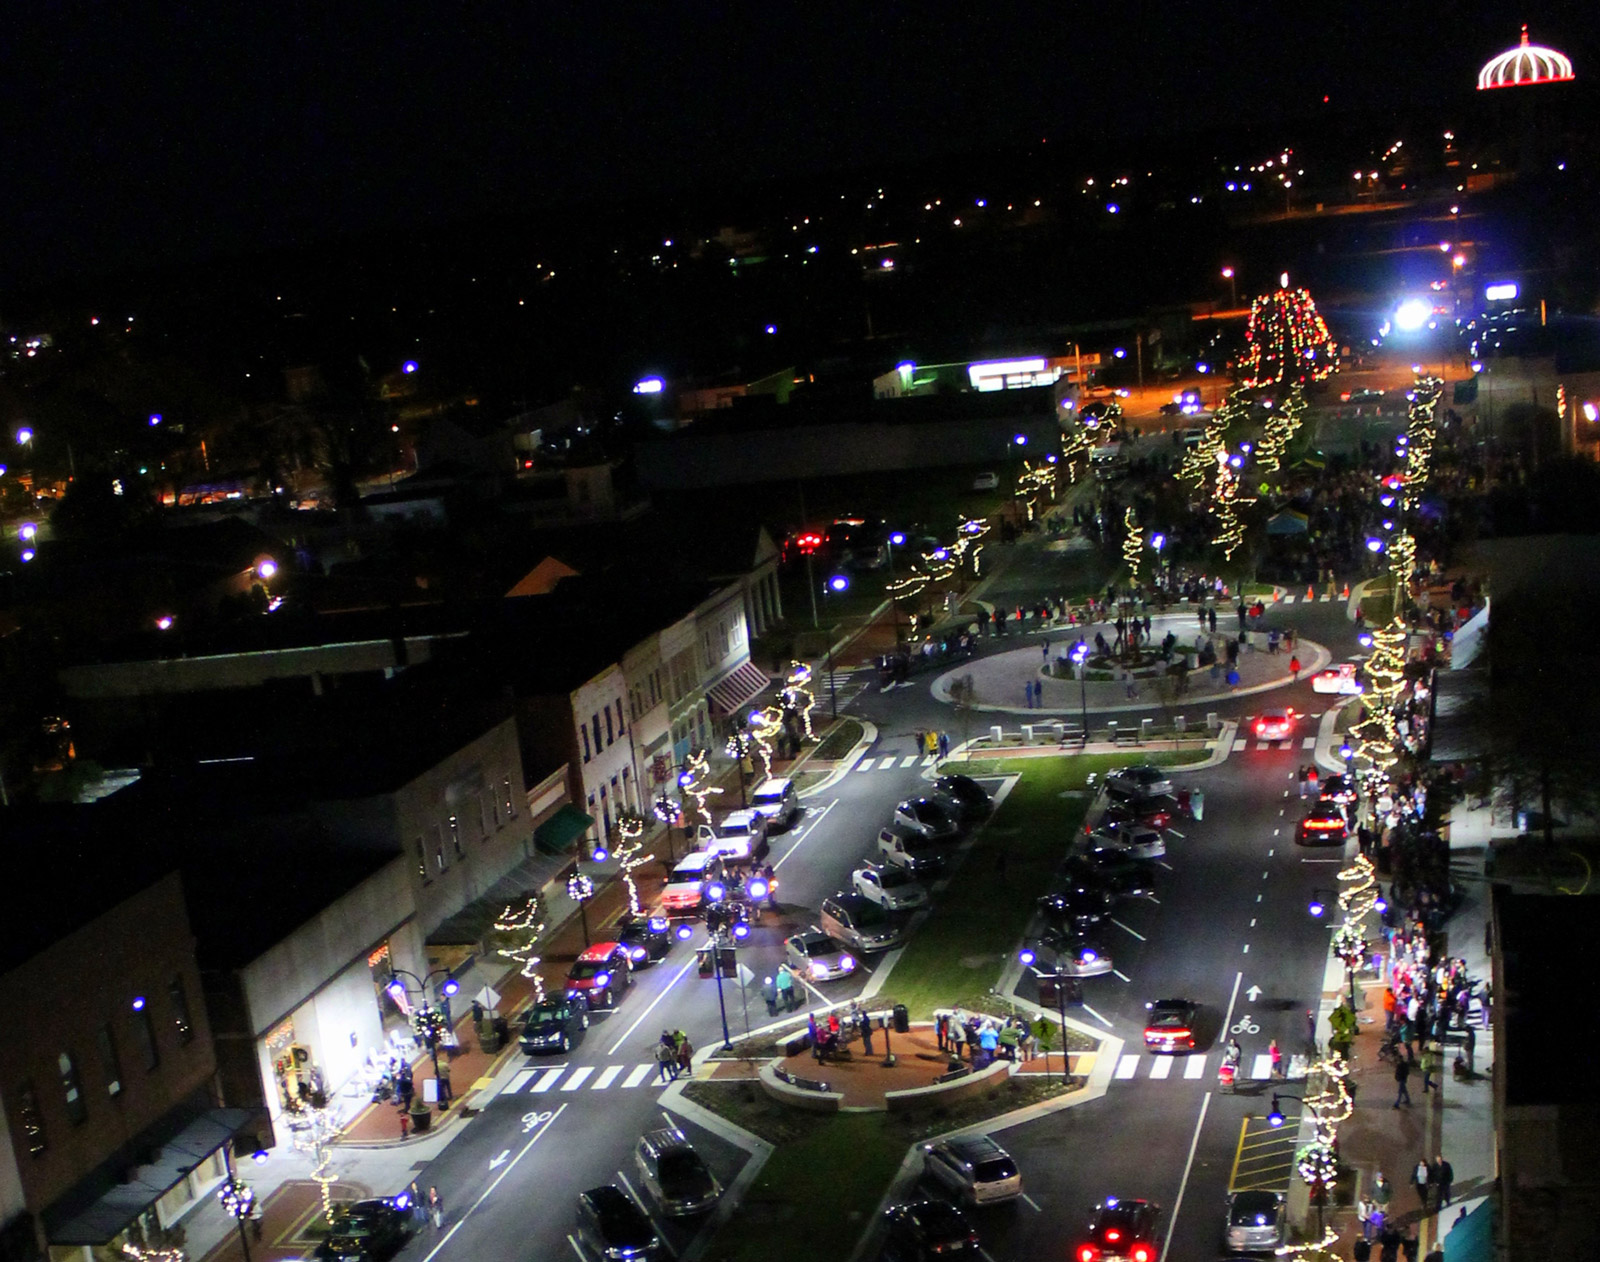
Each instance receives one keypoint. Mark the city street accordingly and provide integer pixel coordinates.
(1228, 927)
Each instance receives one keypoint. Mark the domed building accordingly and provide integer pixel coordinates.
(1523, 65)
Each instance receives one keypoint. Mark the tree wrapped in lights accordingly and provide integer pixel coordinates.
(1280, 429)
(797, 696)
(695, 781)
(1286, 340)
(1200, 461)
(238, 1197)
(1132, 541)
(1036, 481)
(523, 927)
(629, 854)
(765, 725)
(313, 1131)
(1225, 504)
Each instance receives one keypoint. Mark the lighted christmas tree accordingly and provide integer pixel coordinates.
(1132, 542)
(1286, 340)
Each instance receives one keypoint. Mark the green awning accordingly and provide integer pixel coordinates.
(560, 833)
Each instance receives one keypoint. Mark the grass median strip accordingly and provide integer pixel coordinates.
(973, 928)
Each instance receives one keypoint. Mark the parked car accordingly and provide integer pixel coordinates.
(1153, 812)
(1076, 909)
(741, 835)
(1138, 840)
(614, 1227)
(815, 955)
(890, 886)
(1118, 1228)
(1113, 868)
(674, 1175)
(366, 1231)
(985, 482)
(911, 850)
(602, 974)
(928, 816)
(1170, 1025)
(972, 798)
(648, 938)
(1141, 780)
(1256, 1222)
(1324, 825)
(927, 1231)
(777, 800)
(859, 923)
(1075, 955)
(555, 1024)
(1340, 789)
(974, 1169)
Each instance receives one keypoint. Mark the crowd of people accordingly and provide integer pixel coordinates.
(978, 1039)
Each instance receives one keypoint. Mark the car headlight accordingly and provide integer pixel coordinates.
(639, 953)
(818, 968)
(846, 962)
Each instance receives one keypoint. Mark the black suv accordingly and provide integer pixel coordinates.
(1120, 1229)
(924, 1231)
(647, 938)
(365, 1231)
(554, 1024)
(614, 1227)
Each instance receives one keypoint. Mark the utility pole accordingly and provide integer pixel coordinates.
(1138, 354)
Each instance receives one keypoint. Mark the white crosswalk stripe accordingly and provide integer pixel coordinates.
(1194, 1067)
(888, 762)
(1162, 1067)
(910, 760)
(865, 765)
(1309, 742)
(1262, 1066)
(541, 1078)
(1198, 1067)
(1127, 1066)
(1239, 745)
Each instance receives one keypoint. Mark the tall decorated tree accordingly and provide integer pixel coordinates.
(1287, 340)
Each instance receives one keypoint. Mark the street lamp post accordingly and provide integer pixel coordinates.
(1233, 285)
(1080, 659)
(429, 1025)
(1028, 957)
(238, 1199)
(896, 539)
(839, 583)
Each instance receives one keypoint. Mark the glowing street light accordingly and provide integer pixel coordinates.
(1412, 314)
(409, 367)
(24, 436)
(266, 567)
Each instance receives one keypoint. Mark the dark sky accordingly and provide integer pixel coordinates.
(137, 133)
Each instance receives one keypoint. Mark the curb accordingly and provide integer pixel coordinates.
(845, 765)
(1326, 758)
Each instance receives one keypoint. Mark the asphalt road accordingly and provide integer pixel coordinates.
(511, 1177)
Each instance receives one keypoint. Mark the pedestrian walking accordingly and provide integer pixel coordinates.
(1294, 667)
(685, 1053)
(865, 1026)
(1421, 1179)
(941, 1027)
(1443, 1175)
(1410, 1245)
(405, 1124)
(419, 1206)
(1044, 650)
(1302, 775)
(955, 1037)
(435, 1208)
(1361, 1250)
(1364, 1208)
(944, 745)
(1402, 1074)
(666, 1059)
(1276, 1053)
(1027, 694)
(1389, 1243)
(785, 984)
(1382, 1191)
(769, 993)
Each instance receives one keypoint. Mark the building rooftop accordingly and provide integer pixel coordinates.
(1545, 940)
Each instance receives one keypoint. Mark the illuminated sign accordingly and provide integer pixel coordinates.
(1011, 374)
(650, 385)
(1502, 291)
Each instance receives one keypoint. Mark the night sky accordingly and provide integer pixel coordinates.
(140, 134)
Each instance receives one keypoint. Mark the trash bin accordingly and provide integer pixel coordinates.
(902, 1019)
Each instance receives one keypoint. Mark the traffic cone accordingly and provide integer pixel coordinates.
(1346, 595)
(1277, 595)
(1310, 595)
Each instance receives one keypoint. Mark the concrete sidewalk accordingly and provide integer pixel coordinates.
(1455, 1120)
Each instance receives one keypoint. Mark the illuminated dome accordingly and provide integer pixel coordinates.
(1526, 63)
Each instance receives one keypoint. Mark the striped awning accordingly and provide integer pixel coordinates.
(737, 688)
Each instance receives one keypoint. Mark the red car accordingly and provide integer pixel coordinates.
(1151, 812)
(602, 974)
(1170, 1026)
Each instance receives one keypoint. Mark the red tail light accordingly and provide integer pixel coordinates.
(1324, 825)
(1113, 1235)
(1141, 1253)
(1087, 1253)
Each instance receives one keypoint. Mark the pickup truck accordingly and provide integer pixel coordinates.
(911, 851)
(739, 838)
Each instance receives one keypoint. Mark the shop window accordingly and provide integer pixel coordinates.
(594, 722)
(110, 1062)
(422, 861)
(144, 1031)
(180, 1010)
(72, 1089)
(30, 1119)
(584, 732)
(455, 836)
(609, 732)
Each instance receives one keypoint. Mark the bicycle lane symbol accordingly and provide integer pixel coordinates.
(1244, 1025)
(531, 1120)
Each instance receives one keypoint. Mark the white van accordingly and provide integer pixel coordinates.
(777, 800)
(740, 836)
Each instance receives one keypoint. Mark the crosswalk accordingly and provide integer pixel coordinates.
(848, 682)
(895, 762)
(1306, 600)
(1195, 1068)
(1240, 744)
(544, 1078)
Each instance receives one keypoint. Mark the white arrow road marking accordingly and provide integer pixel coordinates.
(496, 1162)
(533, 1139)
(1253, 993)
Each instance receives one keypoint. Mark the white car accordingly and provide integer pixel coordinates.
(985, 482)
(777, 800)
(1137, 841)
(1339, 679)
(892, 887)
(1142, 781)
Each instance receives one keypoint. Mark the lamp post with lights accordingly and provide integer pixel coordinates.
(1028, 957)
(428, 1021)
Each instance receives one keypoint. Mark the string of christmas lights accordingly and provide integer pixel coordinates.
(1281, 427)
(695, 781)
(1132, 542)
(1286, 340)
(527, 924)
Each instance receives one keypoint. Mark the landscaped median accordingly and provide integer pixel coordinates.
(816, 1193)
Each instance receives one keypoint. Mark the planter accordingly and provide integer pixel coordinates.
(421, 1120)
